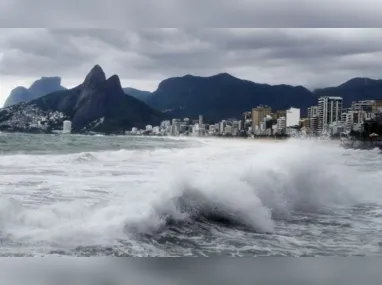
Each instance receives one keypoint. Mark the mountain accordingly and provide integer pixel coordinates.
(355, 89)
(223, 96)
(139, 94)
(41, 87)
(216, 97)
(98, 104)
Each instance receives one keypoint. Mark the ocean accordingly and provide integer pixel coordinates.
(73, 195)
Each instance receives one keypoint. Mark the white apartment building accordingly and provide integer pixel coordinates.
(281, 124)
(228, 130)
(222, 126)
(212, 130)
(329, 111)
(236, 125)
(312, 111)
(293, 116)
(66, 127)
(355, 118)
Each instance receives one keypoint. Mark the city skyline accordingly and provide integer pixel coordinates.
(142, 58)
(327, 118)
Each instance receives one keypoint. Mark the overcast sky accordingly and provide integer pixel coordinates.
(144, 57)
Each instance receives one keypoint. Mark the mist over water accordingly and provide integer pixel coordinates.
(125, 196)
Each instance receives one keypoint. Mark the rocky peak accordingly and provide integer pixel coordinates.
(358, 82)
(45, 85)
(56, 80)
(114, 81)
(95, 77)
(113, 87)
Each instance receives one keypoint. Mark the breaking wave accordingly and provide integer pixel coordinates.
(269, 186)
(241, 185)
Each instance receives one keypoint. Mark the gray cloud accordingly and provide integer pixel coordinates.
(196, 13)
(310, 57)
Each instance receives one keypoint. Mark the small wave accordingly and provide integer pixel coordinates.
(85, 157)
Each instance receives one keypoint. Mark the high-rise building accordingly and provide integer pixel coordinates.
(222, 126)
(281, 124)
(312, 111)
(365, 105)
(292, 117)
(329, 111)
(313, 119)
(258, 115)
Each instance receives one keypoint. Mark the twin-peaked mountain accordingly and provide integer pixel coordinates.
(99, 104)
(216, 97)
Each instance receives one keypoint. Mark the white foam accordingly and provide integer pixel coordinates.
(53, 200)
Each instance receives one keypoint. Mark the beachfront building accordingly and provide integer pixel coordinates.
(364, 105)
(281, 125)
(67, 127)
(329, 111)
(258, 115)
(336, 128)
(292, 117)
(313, 119)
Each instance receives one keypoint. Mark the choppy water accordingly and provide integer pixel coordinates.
(124, 196)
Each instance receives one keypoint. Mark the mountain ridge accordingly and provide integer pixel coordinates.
(98, 104)
(139, 94)
(355, 89)
(224, 95)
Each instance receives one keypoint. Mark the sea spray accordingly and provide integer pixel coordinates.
(176, 197)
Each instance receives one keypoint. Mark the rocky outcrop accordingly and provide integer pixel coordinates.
(19, 94)
(41, 87)
(361, 144)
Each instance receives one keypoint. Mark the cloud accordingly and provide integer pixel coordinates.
(310, 57)
(195, 13)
